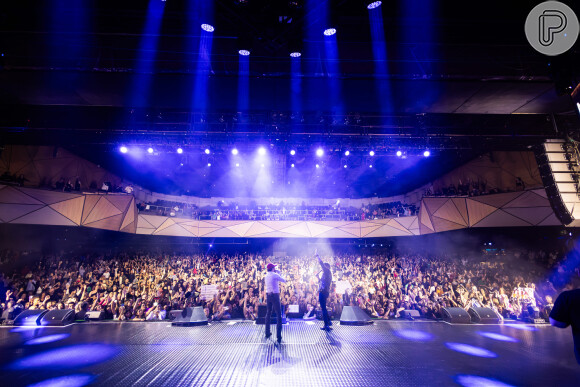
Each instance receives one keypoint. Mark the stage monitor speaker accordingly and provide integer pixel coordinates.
(58, 318)
(261, 319)
(483, 316)
(410, 314)
(173, 314)
(30, 317)
(190, 317)
(95, 315)
(353, 315)
(456, 316)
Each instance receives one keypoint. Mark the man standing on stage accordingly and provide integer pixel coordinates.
(566, 311)
(271, 281)
(324, 290)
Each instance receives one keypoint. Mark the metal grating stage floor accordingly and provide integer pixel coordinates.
(387, 353)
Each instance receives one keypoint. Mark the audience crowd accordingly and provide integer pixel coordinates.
(138, 287)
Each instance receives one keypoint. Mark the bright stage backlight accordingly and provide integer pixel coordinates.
(179, 150)
(123, 149)
(292, 152)
(234, 151)
(347, 153)
(207, 151)
(295, 54)
(207, 27)
(319, 152)
(317, 166)
(244, 52)
(399, 153)
(426, 153)
(329, 31)
(374, 4)
(292, 165)
(149, 150)
(262, 151)
(372, 153)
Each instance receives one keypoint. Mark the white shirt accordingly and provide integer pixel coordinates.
(271, 281)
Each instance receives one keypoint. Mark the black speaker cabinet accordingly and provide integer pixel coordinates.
(353, 315)
(456, 316)
(190, 317)
(483, 316)
(261, 319)
(30, 317)
(58, 318)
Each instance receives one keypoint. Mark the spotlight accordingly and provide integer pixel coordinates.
(372, 153)
(149, 150)
(317, 166)
(320, 152)
(292, 165)
(374, 4)
(234, 151)
(237, 164)
(262, 165)
(347, 153)
(179, 150)
(262, 151)
(427, 153)
(123, 149)
(345, 166)
(399, 153)
(207, 27)
(292, 152)
(295, 54)
(244, 52)
(329, 31)
(370, 166)
(206, 151)
(209, 164)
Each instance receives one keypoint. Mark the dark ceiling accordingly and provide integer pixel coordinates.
(461, 80)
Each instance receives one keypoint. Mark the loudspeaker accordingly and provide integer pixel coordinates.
(30, 317)
(410, 314)
(353, 315)
(483, 316)
(95, 315)
(261, 319)
(456, 316)
(190, 317)
(173, 314)
(58, 317)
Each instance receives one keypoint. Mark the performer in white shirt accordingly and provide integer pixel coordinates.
(271, 280)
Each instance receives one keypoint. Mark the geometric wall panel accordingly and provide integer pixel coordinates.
(424, 215)
(442, 225)
(241, 229)
(501, 218)
(258, 228)
(532, 215)
(111, 223)
(119, 201)
(72, 208)
(48, 197)
(449, 211)
(45, 216)
(478, 211)
(461, 205)
(497, 200)
(103, 209)
(316, 229)
(9, 212)
(13, 195)
(529, 199)
(90, 202)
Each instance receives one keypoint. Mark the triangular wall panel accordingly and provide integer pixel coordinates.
(111, 223)
(462, 208)
(529, 199)
(175, 230)
(144, 231)
(298, 229)
(316, 229)
(222, 232)
(449, 211)
(9, 212)
(90, 202)
(532, 215)
(241, 228)
(501, 218)
(103, 209)
(202, 231)
(191, 228)
(393, 223)
(282, 224)
(72, 209)
(335, 233)
(367, 228)
(153, 220)
(120, 201)
(433, 204)
(551, 220)
(387, 231)
(497, 200)
(45, 216)
(143, 223)
(129, 215)
(478, 211)
(424, 218)
(406, 221)
(168, 222)
(442, 225)
(352, 228)
(257, 229)
(12, 195)
(49, 197)
(541, 192)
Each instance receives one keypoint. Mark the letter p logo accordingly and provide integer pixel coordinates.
(551, 22)
(552, 28)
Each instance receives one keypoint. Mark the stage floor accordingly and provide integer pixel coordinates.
(388, 353)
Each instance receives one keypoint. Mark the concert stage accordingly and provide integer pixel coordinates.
(388, 353)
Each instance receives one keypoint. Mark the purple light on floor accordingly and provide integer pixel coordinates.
(522, 327)
(68, 357)
(499, 337)
(76, 380)
(47, 339)
(123, 149)
(244, 52)
(207, 27)
(329, 31)
(470, 350)
(479, 381)
(413, 335)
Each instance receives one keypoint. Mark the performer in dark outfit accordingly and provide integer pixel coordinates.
(324, 290)
(566, 311)
(271, 282)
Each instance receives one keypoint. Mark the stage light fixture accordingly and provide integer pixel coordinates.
(292, 165)
(262, 165)
(295, 54)
(123, 149)
(209, 164)
(292, 152)
(262, 151)
(206, 151)
(370, 166)
(149, 150)
(374, 4)
(329, 31)
(237, 164)
(244, 52)
(317, 166)
(320, 152)
(347, 153)
(179, 150)
(372, 153)
(399, 153)
(234, 151)
(427, 153)
(345, 166)
(207, 27)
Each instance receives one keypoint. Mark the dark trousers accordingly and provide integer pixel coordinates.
(322, 296)
(273, 303)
